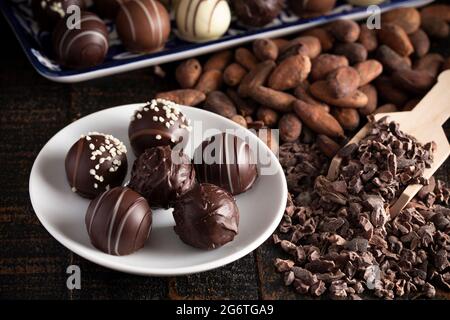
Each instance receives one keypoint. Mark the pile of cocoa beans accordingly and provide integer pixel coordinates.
(324, 81)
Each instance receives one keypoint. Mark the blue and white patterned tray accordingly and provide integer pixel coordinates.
(37, 46)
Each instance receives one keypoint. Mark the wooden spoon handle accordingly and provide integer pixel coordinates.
(434, 109)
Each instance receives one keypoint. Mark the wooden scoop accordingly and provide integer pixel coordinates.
(424, 123)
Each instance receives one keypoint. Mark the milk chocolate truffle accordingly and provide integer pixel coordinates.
(227, 161)
(95, 163)
(143, 25)
(48, 12)
(206, 217)
(161, 178)
(257, 13)
(200, 20)
(83, 46)
(158, 123)
(108, 8)
(119, 221)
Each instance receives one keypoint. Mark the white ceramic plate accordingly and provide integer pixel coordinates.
(62, 212)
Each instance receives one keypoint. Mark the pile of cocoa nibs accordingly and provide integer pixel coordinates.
(337, 237)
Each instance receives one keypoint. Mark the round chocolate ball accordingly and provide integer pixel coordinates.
(206, 217)
(227, 161)
(47, 13)
(162, 175)
(119, 221)
(308, 8)
(199, 20)
(108, 8)
(257, 13)
(95, 163)
(158, 123)
(143, 25)
(85, 45)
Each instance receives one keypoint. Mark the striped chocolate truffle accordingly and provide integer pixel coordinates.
(202, 20)
(227, 161)
(108, 8)
(47, 13)
(143, 25)
(85, 44)
(95, 163)
(119, 221)
(157, 123)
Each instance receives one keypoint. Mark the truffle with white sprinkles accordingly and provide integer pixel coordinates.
(96, 163)
(157, 123)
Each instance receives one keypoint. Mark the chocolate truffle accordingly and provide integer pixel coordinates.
(311, 8)
(119, 221)
(161, 177)
(81, 47)
(143, 25)
(108, 8)
(158, 123)
(199, 20)
(206, 217)
(47, 13)
(227, 161)
(257, 13)
(95, 163)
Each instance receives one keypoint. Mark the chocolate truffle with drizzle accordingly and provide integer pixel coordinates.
(158, 123)
(96, 163)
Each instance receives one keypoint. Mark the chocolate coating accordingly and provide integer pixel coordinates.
(119, 221)
(257, 13)
(159, 179)
(108, 8)
(143, 25)
(227, 161)
(206, 217)
(83, 47)
(159, 123)
(48, 12)
(95, 163)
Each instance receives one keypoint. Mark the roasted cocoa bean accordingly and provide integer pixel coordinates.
(368, 38)
(396, 38)
(218, 102)
(343, 81)
(371, 92)
(233, 74)
(290, 73)
(209, 81)
(188, 73)
(185, 97)
(420, 42)
(347, 118)
(290, 127)
(327, 145)
(345, 30)
(268, 116)
(368, 71)
(218, 61)
(245, 58)
(407, 18)
(321, 91)
(265, 49)
(256, 77)
(326, 63)
(354, 52)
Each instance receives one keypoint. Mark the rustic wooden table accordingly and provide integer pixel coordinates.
(32, 263)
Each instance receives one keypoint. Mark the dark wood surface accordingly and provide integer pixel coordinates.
(32, 263)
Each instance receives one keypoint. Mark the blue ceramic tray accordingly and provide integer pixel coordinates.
(37, 47)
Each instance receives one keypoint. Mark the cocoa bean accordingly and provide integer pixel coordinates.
(326, 63)
(244, 107)
(306, 45)
(437, 11)
(218, 102)
(396, 38)
(185, 97)
(368, 38)
(347, 118)
(281, 43)
(420, 42)
(290, 73)
(210, 80)
(390, 60)
(371, 92)
(327, 145)
(239, 120)
(321, 91)
(317, 119)
(345, 30)
(435, 27)
(415, 81)
(265, 49)
(386, 108)
(368, 71)
(233, 74)
(268, 116)
(407, 18)
(301, 93)
(324, 36)
(290, 127)
(188, 73)
(255, 125)
(218, 61)
(245, 58)
(277, 100)
(355, 52)
(256, 77)
(430, 63)
(389, 92)
(343, 82)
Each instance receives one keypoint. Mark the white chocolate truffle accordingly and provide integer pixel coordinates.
(202, 20)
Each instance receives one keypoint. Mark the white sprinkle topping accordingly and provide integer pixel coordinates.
(74, 189)
(95, 185)
(139, 116)
(92, 172)
(91, 146)
(158, 137)
(155, 118)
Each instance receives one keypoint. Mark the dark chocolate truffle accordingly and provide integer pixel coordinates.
(161, 177)
(48, 12)
(119, 221)
(81, 47)
(159, 123)
(227, 161)
(108, 8)
(311, 8)
(143, 25)
(206, 217)
(95, 163)
(257, 13)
